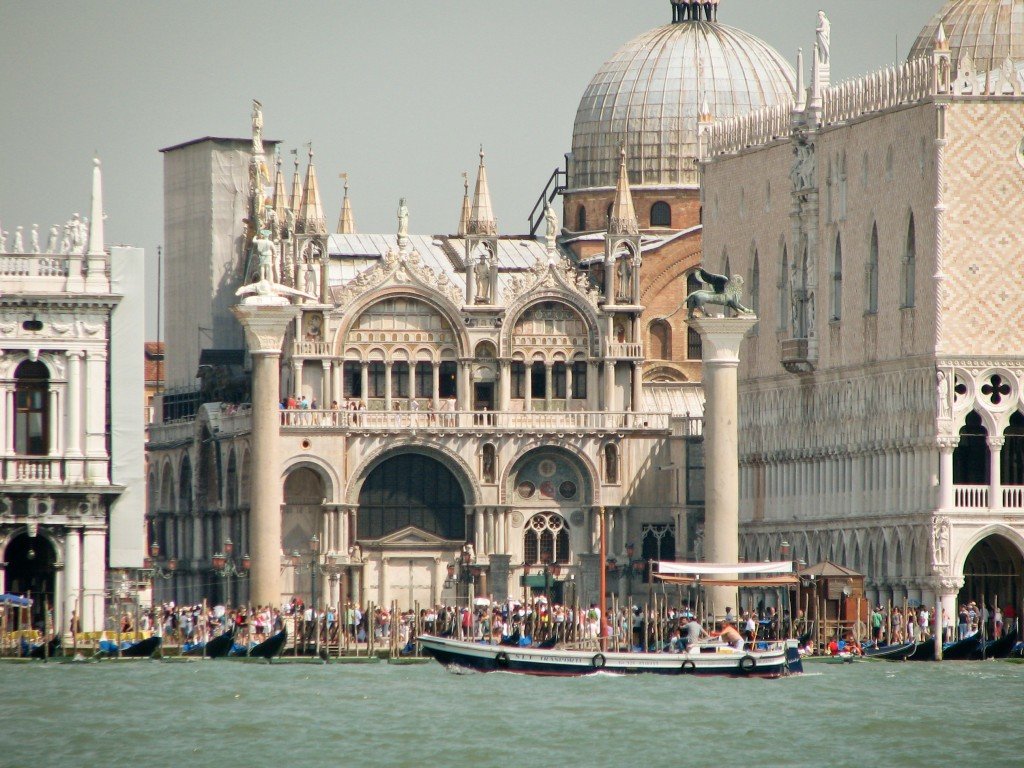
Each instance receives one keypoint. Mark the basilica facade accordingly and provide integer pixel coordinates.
(876, 224)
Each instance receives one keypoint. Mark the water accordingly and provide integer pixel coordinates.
(245, 714)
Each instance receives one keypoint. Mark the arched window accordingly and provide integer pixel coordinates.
(694, 345)
(783, 290)
(837, 280)
(32, 409)
(352, 379)
(971, 456)
(517, 379)
(755, 283)
(546, 540)
(611, 463)
(661, 340)
(661, 214)
(558, 380)
(400, 379)
(1011, 457)
(872, 272)
(909, 275)
(581, 218)
(376, 379)
(424, 379)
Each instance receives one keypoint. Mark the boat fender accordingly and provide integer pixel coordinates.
(598, 661)
(689, 667)
(747, 664)
(501, 660)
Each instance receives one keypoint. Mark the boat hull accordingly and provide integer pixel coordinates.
(892, 652)
(535, 661)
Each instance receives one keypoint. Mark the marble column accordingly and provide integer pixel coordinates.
(265, 326)
(609, 386)
(94, 545)
(72, 576)
(364, 382)
(435, 387)
(721, 339)
(505, 385)
(387, 385)
(947, 445)
(638, 386)
(995, 491)
(548, 384)
(326, 385)
(96, 470)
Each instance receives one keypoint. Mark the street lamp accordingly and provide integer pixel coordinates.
(319, 563)
(225, 565)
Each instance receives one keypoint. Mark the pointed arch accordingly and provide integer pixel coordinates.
(837, 279)
(908, 275)
(871, 273)
(783, 291)
(755, 281)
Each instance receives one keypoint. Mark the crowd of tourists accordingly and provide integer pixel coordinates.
(917, 623)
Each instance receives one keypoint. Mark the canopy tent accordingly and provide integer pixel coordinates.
(722, 569)
(768, 581)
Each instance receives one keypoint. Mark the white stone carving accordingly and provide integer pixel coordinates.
(398, 268)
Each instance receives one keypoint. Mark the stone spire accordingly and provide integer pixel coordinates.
(311, 213)
(296, 197)
(466, 213)
(280, 199)
(96, 217)
(623, 217)
(941, 42)
(800, 97)
(346, 222)
(481, 218)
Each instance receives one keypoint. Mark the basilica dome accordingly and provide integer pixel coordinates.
(989, 30)
(648, 95)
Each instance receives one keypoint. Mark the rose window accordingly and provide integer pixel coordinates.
(996, 389)
(960, 390)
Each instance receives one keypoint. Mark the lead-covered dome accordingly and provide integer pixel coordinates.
(649, 93)
(988, 30)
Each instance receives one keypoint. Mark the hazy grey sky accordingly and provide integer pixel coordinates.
(398, 94)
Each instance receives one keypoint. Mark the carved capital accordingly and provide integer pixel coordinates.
(265, 326)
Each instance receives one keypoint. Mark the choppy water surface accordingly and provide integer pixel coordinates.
(225, 713)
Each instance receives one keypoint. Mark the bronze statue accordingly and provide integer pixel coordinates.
(727, 293)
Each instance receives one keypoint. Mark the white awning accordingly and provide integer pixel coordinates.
(720, 569)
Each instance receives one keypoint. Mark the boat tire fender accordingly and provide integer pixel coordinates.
(748, 664)
(598, 661)
(689, 667)
(501, 660)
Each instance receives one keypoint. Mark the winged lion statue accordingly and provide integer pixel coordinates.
(726, 292)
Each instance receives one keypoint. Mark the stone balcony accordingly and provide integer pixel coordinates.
(35, 272)
(799, 355)
(32, 470)
(533, 422)
(624, 350)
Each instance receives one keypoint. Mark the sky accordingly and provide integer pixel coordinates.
(400, 95)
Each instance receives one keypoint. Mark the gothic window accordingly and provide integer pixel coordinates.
(581, 218)
(400, 379)
(608, 215)
(448, 383)
(558, 380)
(971, 456)
(872, 272)
(755, 283)
(611, 463)
(695, 471)
(376, 379)
(488, 461)
(546, 540)
(517, 380)
(661, 214)
(424, 379)
(1011, 457)
(352, 379)
(910, 266)
(837, 280)
(32, 409)
(694, 345)
(661, 340)
(783, 290)
(842, 186)
(890, 161)
(579, 381)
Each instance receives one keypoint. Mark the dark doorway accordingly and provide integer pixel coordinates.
(483, 396)
(994, 572)
(971, 457)
(30, 572)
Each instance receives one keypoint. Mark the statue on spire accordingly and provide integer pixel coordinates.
(257, 128)
(403, 221)
(824, 39)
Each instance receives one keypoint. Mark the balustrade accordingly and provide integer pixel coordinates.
(625, 350)
(312, 349)
(1013, 496)
(971, 496)
(25, 469)
(533, 421)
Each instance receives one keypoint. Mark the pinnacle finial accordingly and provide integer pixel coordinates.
(481, 220)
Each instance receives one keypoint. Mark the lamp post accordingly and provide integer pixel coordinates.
(225, 566)
(320, 563)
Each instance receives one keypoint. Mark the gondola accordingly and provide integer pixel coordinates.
(962, 650)
(45, 650)
(1001, 648)
(214, 648)
(891, 652)
(268, 649)
(143, 648)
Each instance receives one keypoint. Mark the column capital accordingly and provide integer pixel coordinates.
(265, 326)
(947, 443)
(995, 443)
(722, 337)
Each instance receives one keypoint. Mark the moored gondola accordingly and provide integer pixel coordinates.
(1001, 647)
(891, 652)
(964, 650)
(45, 650)
(142, 649)
(268, 649)
(214, 648)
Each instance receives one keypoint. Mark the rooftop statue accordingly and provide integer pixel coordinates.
(726, 292)
(53, 243)
(403, 219)
(552, 224)
(35, 238)
(266, 289)
(19, 240)
(824, 31)
(257, 127)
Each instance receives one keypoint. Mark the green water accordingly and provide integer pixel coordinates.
(255, 715)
